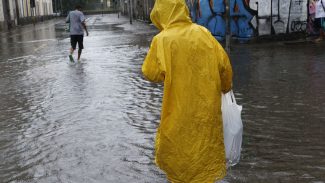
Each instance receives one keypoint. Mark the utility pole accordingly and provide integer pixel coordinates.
(61, 8)
(130, 11)
(33, 11)
(27, 9)
(102, 1)
(228, 31)
(54, 8)
(6, 13)
(147, 10)
(118, 5)
(17, 12)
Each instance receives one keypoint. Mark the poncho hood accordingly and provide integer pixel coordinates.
(166, 13)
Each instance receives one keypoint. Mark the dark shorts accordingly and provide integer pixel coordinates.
(319, 22)
(74, 39)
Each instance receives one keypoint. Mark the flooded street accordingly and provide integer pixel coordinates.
(94, 121)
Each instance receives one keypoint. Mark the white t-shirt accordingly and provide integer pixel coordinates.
(75, 18)
(320, 12)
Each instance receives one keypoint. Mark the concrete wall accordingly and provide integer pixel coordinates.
(13, 15)
(12, 8)
(24, 8)
(44, 7)
(1, 17)
(248, 18)
(6, 15)
(22, 13)
(283, 16)
(1, 12)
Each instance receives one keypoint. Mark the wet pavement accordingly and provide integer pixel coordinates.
(94, 121)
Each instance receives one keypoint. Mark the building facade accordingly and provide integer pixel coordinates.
(20, 12)
(7, 14)
(248, 18)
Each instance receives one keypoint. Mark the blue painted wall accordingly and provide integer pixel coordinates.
(213, 17)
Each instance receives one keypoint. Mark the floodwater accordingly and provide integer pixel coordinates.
(94, 121)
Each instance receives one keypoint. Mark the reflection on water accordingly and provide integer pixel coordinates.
(95, 121)
(282, 91)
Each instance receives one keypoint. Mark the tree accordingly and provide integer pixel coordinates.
(70, 5)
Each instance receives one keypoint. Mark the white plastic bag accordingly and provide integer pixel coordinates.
(232, 128)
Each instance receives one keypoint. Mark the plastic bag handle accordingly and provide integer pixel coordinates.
(232, 96)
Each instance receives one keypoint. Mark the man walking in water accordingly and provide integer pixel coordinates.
(77, 23)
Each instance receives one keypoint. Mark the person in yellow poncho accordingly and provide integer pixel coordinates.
(195, 70)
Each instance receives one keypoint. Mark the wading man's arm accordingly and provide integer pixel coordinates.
(85, 27)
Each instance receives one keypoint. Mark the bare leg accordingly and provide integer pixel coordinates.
(79, 54)
(321, 36)
(70, 56)
(71, 51)
(321, 31)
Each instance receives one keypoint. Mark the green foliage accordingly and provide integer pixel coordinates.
(87, 5)
(70, 4)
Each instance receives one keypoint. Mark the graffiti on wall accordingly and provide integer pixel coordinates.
(280, 16)
(241, 24)
(249, 18)
(210, 14)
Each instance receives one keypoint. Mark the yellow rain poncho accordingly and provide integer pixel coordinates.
(195, 70)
